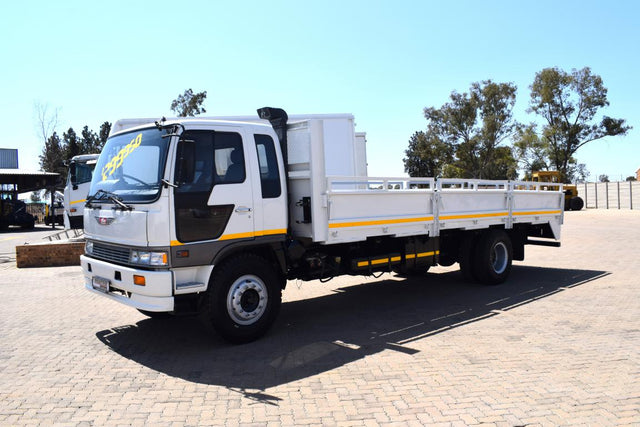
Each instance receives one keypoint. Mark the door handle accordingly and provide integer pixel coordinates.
(243, 209)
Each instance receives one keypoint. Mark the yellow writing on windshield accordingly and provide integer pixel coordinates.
(116, 161)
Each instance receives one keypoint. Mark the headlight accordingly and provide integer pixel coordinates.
(88, 247)
(149, 258)
(158, 258)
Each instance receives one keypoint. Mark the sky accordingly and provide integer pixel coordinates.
(382, 61)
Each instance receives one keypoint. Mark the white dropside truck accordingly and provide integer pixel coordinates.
(77, 188)
(213, 217)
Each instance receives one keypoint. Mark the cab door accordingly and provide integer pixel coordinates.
(214, 196)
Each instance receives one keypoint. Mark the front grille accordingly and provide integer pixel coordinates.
(110, 253)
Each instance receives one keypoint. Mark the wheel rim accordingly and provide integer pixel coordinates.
(499, 258)
(247, 300)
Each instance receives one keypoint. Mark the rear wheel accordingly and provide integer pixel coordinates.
(244, 298)
(576, 203)
(493, 257)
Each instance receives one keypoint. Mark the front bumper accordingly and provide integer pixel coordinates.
(156, 295)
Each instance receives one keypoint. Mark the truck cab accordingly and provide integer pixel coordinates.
(168, 200)
(77, 188)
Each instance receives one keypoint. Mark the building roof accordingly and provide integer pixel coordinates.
(28, 180)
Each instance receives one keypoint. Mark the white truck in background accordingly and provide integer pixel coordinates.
(197, 215)
(77, 188)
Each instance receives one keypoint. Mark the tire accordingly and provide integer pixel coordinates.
(244, 298)
(29, 226)
(576, 203)
(493, 257)
(465, 257)
(156, 314)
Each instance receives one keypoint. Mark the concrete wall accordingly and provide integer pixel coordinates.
(610, 195)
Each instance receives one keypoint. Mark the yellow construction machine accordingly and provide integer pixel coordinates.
(571, 199)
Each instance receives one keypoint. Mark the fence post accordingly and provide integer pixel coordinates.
(586, 199)
(595, 185)
(618, 185)
(606, 193)
(631, 195)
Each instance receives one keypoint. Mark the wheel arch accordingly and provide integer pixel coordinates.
(271, 251)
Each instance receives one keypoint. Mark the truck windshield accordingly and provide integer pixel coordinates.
(81, 171)
(131, 165)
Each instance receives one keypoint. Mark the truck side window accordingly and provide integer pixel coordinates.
(219, 159)
(194, 167)
(229, 158)
(268, 161)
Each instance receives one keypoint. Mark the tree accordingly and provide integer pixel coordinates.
(88, 140)
(47, 120)
(579, 172)
(103, 134)
(631, 178)
(472, 126)
(427, 155)
(569, 102)
(603, 178)
(71, 144)
(189, 104)
(53, 157)
(91, 142)
(531, 151)
(56, 153)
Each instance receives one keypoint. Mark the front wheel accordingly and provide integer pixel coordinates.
(244, 298)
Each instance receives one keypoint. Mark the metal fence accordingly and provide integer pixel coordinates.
(610, 195)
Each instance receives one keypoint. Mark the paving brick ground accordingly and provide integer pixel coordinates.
(559, 344)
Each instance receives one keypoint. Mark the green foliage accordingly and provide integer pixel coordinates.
(531, 151)
(103, 134)
(464, 136)
(427, 155)
(578, 172)
(70, 144)
(53, 155)
(631, 178)
(603, 178)
(189, 104)
(92, 142)
(56, 153)
(569, 102)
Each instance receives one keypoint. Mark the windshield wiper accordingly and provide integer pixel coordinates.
(94, 197)
(117, 200)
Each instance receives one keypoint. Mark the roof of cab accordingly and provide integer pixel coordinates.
(132, 124)
(127, 124)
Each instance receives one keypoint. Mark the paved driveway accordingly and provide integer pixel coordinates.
(558, 344)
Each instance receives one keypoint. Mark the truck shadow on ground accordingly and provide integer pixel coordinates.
(320, 334)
